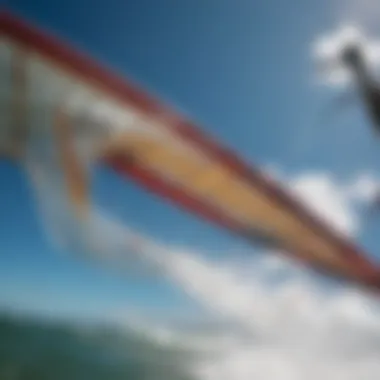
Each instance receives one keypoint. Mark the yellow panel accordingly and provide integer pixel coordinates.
(228, 192)
(215, 182)
(209, 179)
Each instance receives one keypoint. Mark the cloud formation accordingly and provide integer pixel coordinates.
(334, 202)
(327, 49)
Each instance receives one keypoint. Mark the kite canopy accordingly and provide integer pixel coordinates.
(60, 109)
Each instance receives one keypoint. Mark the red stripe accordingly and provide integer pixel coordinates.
(128, 93)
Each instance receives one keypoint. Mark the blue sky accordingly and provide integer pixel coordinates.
(240, 68)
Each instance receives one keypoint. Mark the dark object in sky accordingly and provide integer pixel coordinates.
(369, 89)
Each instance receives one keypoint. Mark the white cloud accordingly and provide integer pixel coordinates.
(336, 202)
(364, 189)
(313, 336)
(326, 51)
(293, 331)
(326, 199)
